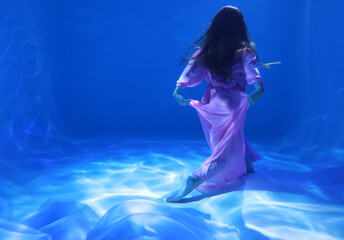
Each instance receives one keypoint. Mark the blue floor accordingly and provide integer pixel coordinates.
(292, 195)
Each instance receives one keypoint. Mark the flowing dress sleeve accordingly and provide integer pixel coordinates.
(251, 68)
(193, 73)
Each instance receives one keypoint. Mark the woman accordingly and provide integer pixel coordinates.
(227, 59)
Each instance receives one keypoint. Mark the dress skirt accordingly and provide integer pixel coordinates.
(222, 113)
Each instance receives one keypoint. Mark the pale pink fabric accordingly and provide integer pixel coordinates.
(222, 112)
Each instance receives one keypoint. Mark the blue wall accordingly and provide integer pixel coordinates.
(87, 68)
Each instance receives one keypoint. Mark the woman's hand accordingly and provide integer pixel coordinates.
(180, 99)
(250, 100)
(253, 97)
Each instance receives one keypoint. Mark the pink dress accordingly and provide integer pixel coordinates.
(222, 112)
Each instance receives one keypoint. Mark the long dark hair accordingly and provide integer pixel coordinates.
(226, 34)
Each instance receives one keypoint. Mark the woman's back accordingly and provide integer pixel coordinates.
(243, 72)
(226, 59)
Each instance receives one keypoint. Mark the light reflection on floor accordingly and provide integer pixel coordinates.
(289, 197)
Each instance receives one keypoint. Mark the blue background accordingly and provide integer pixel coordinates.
(86, 68)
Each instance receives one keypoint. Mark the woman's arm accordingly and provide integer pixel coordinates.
(180, 99)
(253, 77)
(177, 91)
(253, 97)
(192, 76)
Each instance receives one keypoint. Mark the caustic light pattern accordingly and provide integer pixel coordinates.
(117, 192)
